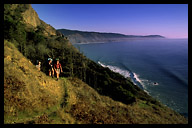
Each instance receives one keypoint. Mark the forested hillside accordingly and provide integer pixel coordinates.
(32, 97)
(33, 43)
(36, 40)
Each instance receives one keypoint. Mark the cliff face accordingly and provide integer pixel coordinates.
(31, 18)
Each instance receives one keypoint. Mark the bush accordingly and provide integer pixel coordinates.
(31, 52)
(125, 95)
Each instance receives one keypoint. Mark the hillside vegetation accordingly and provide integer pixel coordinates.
(30, 96)
(27, 92)
(86, 93)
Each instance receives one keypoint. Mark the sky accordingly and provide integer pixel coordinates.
(169, 20)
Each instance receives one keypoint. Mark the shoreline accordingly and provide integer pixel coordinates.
(154, 86)
(136, 80)
(130, 39)
(119, 40)
(127, 74)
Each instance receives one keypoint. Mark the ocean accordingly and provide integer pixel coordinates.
(158, 66)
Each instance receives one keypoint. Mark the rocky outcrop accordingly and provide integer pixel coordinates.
(48, 29)
(31, 17)
(32, 20)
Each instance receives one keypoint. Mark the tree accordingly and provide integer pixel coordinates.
(31, 53)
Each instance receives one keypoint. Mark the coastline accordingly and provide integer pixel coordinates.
(111, 40)
(127, 74)
(154, 87)
(135, 79)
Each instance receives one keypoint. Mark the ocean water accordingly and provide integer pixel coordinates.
(159, 67)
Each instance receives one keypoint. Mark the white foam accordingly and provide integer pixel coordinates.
(116, 69)
(146, 91)
(137, 78)
(126, 74)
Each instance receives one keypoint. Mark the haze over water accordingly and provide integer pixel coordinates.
(169, 20)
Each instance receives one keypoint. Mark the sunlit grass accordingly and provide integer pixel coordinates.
(33, 97)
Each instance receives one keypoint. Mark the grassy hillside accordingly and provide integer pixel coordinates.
(86, 89)
(92, 108)
(76, 36)
(32, 97)
(28, 93)
(35, 45)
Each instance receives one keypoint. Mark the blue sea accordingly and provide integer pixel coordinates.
(158, 66)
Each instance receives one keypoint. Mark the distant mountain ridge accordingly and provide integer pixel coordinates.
(76, 36)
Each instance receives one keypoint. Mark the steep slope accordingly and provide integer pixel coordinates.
(91, 108)
(36, 46)
(32, 97)
(29, 17)
(76, 36)
(28, 101)
(27, 92)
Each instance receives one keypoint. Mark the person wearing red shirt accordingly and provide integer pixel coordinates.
(57, 68)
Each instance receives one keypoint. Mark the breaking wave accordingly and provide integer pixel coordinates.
(127, 74)
(116, 69)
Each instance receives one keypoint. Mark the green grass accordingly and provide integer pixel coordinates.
(32, 97)
(27, 92)
(143, 104)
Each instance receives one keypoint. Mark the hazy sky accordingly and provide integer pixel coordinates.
(169, 20)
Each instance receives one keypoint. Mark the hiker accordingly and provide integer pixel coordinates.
(38, 65)
(58, 68)
(50, 67)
